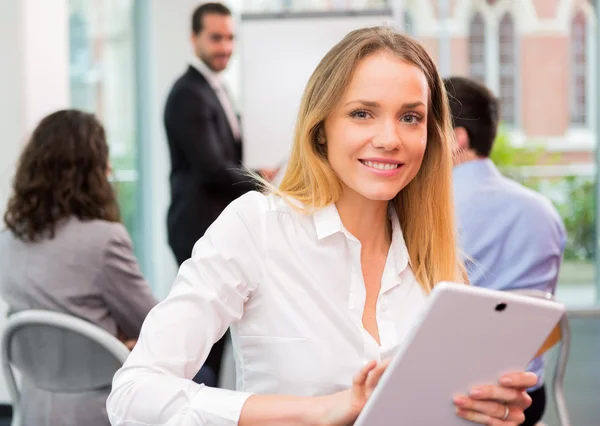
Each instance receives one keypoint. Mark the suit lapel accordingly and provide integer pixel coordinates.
(214, 100)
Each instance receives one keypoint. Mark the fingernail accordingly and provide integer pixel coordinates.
(460, 401)
(506, 381)
(460, 412)
(476, 393)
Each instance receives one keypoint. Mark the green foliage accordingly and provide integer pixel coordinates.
(573, 196)
(126, 193)
(127, 198)
(578, 214)
(123, 162)
(507, 157)
(511, 159)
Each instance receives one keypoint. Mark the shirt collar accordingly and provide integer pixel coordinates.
(328, 222)
(472, 170)
(213, 78)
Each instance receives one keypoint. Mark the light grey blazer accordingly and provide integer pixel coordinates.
(87, 270)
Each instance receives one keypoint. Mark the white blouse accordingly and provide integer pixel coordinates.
(291, 288)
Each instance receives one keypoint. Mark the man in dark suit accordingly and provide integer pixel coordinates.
(204, 140)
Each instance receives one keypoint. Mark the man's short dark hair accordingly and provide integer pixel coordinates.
(207, 9)
(474, 107)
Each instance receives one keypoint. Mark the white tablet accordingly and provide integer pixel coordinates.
(465, 336)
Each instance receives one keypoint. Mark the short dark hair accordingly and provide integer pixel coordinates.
(61, 173)
(206, 9)
(474, 107)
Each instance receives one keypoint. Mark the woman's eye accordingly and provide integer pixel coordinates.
(360, 113)
(411, 119)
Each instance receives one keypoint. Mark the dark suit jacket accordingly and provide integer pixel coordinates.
(206, 172)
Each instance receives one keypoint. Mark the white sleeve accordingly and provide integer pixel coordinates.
(154, 387)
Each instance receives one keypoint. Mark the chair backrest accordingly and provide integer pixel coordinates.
(59, 353)
(561, 334)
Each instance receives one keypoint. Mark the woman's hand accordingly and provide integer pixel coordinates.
(342, 408)
(130, 343)
(339, 409)
(498, 405)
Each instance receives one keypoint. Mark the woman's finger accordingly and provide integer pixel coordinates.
(520, 399)
(358, 383)
(491, 409)
(374, 376)
(483, 419)
(523, 380)
(361, 377)
(500, 394)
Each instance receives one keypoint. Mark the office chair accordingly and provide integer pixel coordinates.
(57, 352)
(560, 335)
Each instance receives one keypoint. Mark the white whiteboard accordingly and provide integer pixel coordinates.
(278, 55)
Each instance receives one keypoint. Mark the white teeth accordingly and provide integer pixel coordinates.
(380, 166)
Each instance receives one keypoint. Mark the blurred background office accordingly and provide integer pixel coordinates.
(119, 58)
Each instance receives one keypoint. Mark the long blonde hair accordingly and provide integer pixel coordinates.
(425, 206)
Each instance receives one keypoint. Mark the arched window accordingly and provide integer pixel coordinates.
(578, 70)
(477, 48)
(508, 77)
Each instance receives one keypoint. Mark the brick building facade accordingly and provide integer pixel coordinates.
(538, 57)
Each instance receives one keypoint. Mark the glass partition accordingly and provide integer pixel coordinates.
(101, 40)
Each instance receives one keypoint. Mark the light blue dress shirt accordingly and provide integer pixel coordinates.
(512, 237)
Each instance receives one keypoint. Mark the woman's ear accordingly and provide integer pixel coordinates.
(320, 135)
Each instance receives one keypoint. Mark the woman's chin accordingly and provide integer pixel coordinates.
(381, 195)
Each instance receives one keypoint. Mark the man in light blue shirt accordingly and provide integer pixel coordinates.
(512, 237)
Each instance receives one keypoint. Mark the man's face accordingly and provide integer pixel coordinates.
(214, 44)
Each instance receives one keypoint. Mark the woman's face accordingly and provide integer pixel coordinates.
(377, 134)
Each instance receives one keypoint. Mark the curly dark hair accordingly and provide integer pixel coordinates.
(62, 172)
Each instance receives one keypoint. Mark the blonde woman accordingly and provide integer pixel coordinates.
(321, 279)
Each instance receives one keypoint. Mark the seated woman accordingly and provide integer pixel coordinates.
(65, 251)
(321, 278)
